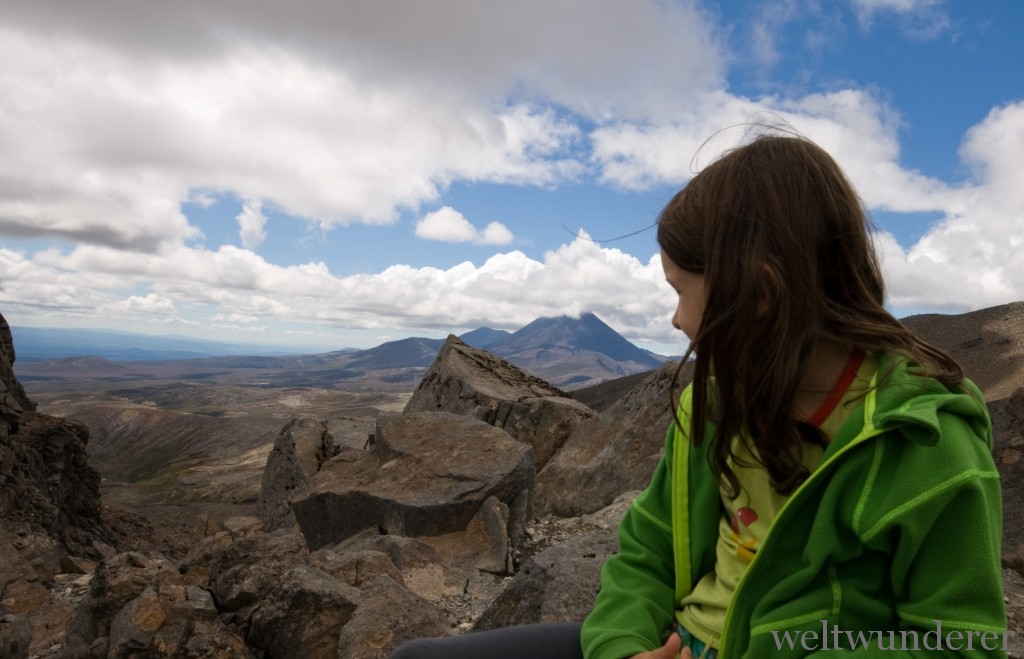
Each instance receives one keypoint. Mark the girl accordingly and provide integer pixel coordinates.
(827, 484)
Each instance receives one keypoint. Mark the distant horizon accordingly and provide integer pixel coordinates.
(294, 349)
(375, 339)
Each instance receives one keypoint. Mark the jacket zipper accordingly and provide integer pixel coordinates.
(867, 431)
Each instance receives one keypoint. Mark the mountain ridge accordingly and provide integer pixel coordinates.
(566, 351)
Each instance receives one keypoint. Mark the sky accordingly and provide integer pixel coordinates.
(320, 174)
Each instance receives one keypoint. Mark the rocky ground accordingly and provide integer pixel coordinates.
(340, 557)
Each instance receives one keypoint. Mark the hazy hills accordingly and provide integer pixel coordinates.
(568, 352)
(35, 343)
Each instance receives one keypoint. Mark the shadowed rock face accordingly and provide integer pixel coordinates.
(612, 452)
(46, 483)
(429, 473)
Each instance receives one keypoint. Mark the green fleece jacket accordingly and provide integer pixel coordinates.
(897, 530)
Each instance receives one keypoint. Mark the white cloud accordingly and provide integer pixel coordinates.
(445, 224)
(856, 128)
(449, 225)
(111, 117)
(974, 257)
(251, 222)
(151, 303)
(922, 19)
(495, 233)
(508, 290)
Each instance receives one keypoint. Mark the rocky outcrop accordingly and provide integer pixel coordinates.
(612, 452)
(12, 395)
(429, 473)
(46, 483)
(439, 524)
(473, 382)
(558, 584)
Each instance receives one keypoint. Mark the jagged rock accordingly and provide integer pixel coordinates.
(351, 431)
(46, 482)
(388, 616)
(76, 565)
(12, 394)
(610, 453)
(301, 447)
(245, 570)
(303, 615)
(1008, 449)
(428, 474)
(13, 566)
(29, 566)
(466, 380)
(170, 623)
(116, 582)
(15, 634)
(213, 536)
(356, 568)
(558, 584)
(50, 485)
(419, 564)
(484, 543)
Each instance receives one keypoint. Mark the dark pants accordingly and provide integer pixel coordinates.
(545, 641)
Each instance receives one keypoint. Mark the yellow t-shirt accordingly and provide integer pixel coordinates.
(746, 518)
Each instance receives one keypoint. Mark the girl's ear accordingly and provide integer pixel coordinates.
(769, 290)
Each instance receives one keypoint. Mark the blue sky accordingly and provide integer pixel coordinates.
(325, 175)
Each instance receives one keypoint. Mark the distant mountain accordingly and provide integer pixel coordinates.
(568, 352)
(574, 352)
(483, 337)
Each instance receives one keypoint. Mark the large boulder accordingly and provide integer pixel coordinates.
(388, 616)
(610, 453)
(558, 584)
(429, 473)
(559, 579)
(466, 380)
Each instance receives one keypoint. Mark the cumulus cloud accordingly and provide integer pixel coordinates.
(856, 128)
(974, 257)
(251, 222)
(148, 304)
(449, 225)
(507, 290)
(111, 116)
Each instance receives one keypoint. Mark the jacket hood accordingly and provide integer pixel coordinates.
(905, 401)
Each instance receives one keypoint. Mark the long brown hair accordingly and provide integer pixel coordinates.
(783, 243)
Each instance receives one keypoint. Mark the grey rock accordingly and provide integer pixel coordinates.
(610, 453)
(470, 381)
(301, 447)
(245, 570)
(15, 634)
(428, 474)
(116, 582)
(303, 615)
(388, 616)
(355, 568)
(558, 584)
